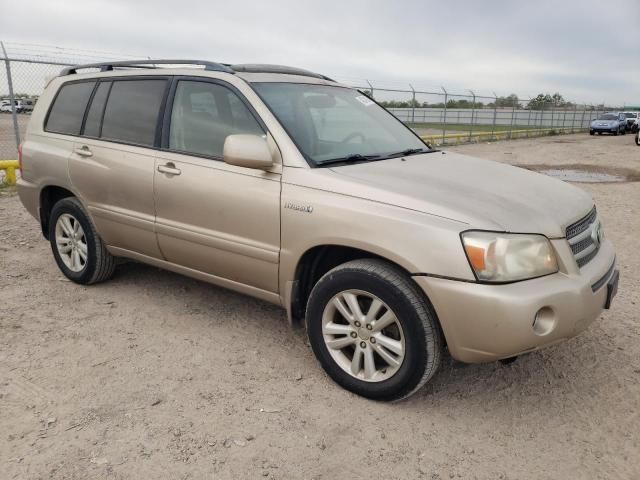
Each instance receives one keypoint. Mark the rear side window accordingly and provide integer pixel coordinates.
(131, 113)
(204, 114)
(94, 115)
(68, 108)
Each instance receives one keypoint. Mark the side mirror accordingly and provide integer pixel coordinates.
(250, 151)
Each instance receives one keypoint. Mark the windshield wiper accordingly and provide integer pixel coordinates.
(352, 158)
(408, 151)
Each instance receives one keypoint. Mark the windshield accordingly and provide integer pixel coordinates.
(330, 124)
(631, 115)
(607, 116)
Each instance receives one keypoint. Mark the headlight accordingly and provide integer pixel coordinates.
(508, 257)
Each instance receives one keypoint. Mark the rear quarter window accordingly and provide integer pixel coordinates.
(68, 108)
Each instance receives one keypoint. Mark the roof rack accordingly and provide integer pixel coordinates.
(283, 69)
(108, 66)
(211, 66)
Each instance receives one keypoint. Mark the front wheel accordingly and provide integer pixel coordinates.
(373, 331)
(77, 248)
(638, 139)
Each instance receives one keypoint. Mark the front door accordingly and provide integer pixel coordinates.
(212, 217)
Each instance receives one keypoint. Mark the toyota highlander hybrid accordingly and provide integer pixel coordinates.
(288, 186)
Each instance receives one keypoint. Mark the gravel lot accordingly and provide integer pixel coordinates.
(153, 375)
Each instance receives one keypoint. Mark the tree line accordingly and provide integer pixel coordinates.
(541, 101)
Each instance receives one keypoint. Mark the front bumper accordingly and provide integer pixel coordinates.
(604, 129)
(488, 322)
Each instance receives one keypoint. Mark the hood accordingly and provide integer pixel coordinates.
(481, 193)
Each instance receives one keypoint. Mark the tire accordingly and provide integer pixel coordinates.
(623, 131)
(414, 325)
(591, 132)
(98, 264)
(638, 139)
(615, 134)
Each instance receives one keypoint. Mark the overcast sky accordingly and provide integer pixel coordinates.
(587, 50)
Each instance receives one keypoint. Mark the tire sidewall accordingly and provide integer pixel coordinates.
(71, 207)
(412, 369)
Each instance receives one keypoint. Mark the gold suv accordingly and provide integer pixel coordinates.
(288, 186)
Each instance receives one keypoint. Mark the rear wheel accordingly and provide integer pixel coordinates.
(373, 331)
(77, 248)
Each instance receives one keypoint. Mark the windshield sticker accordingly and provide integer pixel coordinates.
(364, 100)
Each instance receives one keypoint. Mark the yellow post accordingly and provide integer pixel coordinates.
(9, 166)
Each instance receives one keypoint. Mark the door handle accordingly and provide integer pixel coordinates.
(169, 169)
(83, 151)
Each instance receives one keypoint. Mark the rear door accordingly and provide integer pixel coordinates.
(112, 166)
(212, 217)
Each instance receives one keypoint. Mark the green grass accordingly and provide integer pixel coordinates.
(465, 128)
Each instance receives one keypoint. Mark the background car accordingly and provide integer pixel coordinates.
(5, 107)
(631, 120)
(608, 123)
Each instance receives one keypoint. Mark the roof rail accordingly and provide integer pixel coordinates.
(108, 66)
(265, 68)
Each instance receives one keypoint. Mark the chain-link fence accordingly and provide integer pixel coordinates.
(444, 117)
(440, 116)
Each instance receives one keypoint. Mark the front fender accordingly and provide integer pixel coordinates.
(418, 242)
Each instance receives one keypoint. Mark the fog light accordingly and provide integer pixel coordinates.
(544, 322)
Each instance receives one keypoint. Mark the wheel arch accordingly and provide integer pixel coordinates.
(49, 196)
(313, 264)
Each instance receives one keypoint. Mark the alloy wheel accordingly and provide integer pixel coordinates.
(71, 242)
(363, 335)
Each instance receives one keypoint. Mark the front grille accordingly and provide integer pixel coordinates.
(583, 241)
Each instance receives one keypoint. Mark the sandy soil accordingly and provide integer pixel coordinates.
(153, 375)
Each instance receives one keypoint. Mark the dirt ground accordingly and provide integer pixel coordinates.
(154, 375)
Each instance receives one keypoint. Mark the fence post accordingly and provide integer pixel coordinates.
(413, 104)
(529, 117)
(564, 115)
(584, 109)
(370, 87)
(444, 118)
(513, 111)
(473, 111)
(12, 98)
(495, 114)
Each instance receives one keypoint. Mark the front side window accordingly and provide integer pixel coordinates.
(68, 108)
(204, 114)
(331, 123)
(131, 113)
